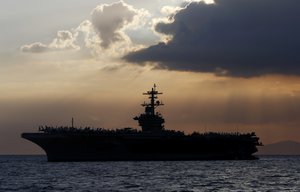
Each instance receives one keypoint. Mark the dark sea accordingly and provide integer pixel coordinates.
(34, 173)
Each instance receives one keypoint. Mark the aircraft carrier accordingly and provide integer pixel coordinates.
(152, 143)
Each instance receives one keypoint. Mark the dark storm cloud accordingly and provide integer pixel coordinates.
(231, 37)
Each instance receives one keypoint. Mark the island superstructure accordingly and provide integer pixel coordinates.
(152, 142)
(151, 121)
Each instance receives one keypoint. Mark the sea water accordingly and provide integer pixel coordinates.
(34, 173)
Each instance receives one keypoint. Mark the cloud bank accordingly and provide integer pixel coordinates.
(238, 38)
(105, 31)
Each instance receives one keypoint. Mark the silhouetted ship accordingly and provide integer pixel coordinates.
(153, 142)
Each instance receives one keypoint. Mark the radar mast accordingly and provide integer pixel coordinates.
(151, 121)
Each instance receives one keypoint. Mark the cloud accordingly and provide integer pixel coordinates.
(65, 40)
(108, 20)
(170, 10)
(206, 1)
(36, 47)
(113, 24)
(238, 38)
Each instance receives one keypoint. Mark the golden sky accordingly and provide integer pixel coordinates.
(76, 69)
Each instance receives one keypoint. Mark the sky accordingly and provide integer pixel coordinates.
(223, 65)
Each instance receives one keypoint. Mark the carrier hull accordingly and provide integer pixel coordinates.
(90, 147)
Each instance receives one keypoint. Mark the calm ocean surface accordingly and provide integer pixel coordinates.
(34, 173)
